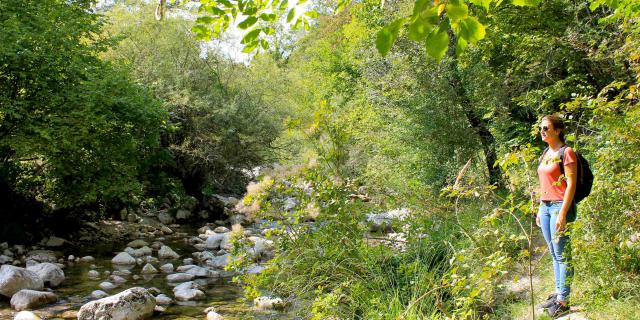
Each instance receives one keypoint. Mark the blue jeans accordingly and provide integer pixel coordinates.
(559, 247)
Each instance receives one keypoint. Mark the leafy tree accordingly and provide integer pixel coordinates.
(220, 125)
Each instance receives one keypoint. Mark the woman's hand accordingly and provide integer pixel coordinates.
(561, 223)
(538, 220)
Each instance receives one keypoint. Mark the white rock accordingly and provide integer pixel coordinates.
(30, 299)
(94, 274)
(98, 294)
(51, 274)
(87, 259)
(198, 271)
(123, 258)
(219, 261)
(255, 269)
(180, 277)
(166, 253)
(26, 315)
(106, 285)
(163, 299)
(213, 242)
(14, 279)
(148, 269)
(71, 257)
(268, 303)
(221, 229)
(141, 252)
(117, 279)
(5, 259)
(132, 304)
(167, 268)
(187, 291)
(212, 315)
(187, 261)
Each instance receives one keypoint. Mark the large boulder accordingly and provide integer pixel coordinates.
(14, 279)
(51, 274)
(131, 304)
(187, 291)
(167, 253)
(165, 217)
(123, 258)
(214, 241)
(183, 214)
(30, 299)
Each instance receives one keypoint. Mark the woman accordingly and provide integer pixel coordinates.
(557, 208)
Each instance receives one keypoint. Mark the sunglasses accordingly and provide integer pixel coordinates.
(544, 128)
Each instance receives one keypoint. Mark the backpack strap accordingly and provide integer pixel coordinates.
(542, 156)
(561, 154)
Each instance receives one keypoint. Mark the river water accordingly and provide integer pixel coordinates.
(221, 293)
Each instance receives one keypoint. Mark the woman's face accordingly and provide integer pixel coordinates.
(547, 132)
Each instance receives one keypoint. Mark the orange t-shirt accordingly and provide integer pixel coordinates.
(552, 186)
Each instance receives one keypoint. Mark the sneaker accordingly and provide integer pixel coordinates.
(551, 300)
(557, 309)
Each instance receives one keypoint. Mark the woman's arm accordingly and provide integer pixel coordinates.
(570, 172)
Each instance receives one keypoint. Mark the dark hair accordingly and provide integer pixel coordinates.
(558, 123)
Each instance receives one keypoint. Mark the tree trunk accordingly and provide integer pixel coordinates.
(479, 125)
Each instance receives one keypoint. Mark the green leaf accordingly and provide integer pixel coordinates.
(482, 3)
(250, 47)
(460, 46)
(264, 44)
(387, 36)
(268, 31)
(420, 6)
(311, 14)
(457, 10)
(284, 5)
(423, 24)
(470, 29)
(438, 42)
(202, 32)
(248, 22)
(205, 20)
(525, 3)
(268, 17)
(251, 36)
(291, 15)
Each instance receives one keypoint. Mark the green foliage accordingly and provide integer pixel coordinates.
(78, 128)
(220, 124)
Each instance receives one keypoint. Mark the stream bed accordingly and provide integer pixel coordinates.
(221, 293)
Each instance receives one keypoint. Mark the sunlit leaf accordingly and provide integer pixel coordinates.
(205, 20)
(525, 3)
(471, 29)
(457, 10)
(387, 36)
(248, 22)
(251, 36)
(291, 15)
(438, 42)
